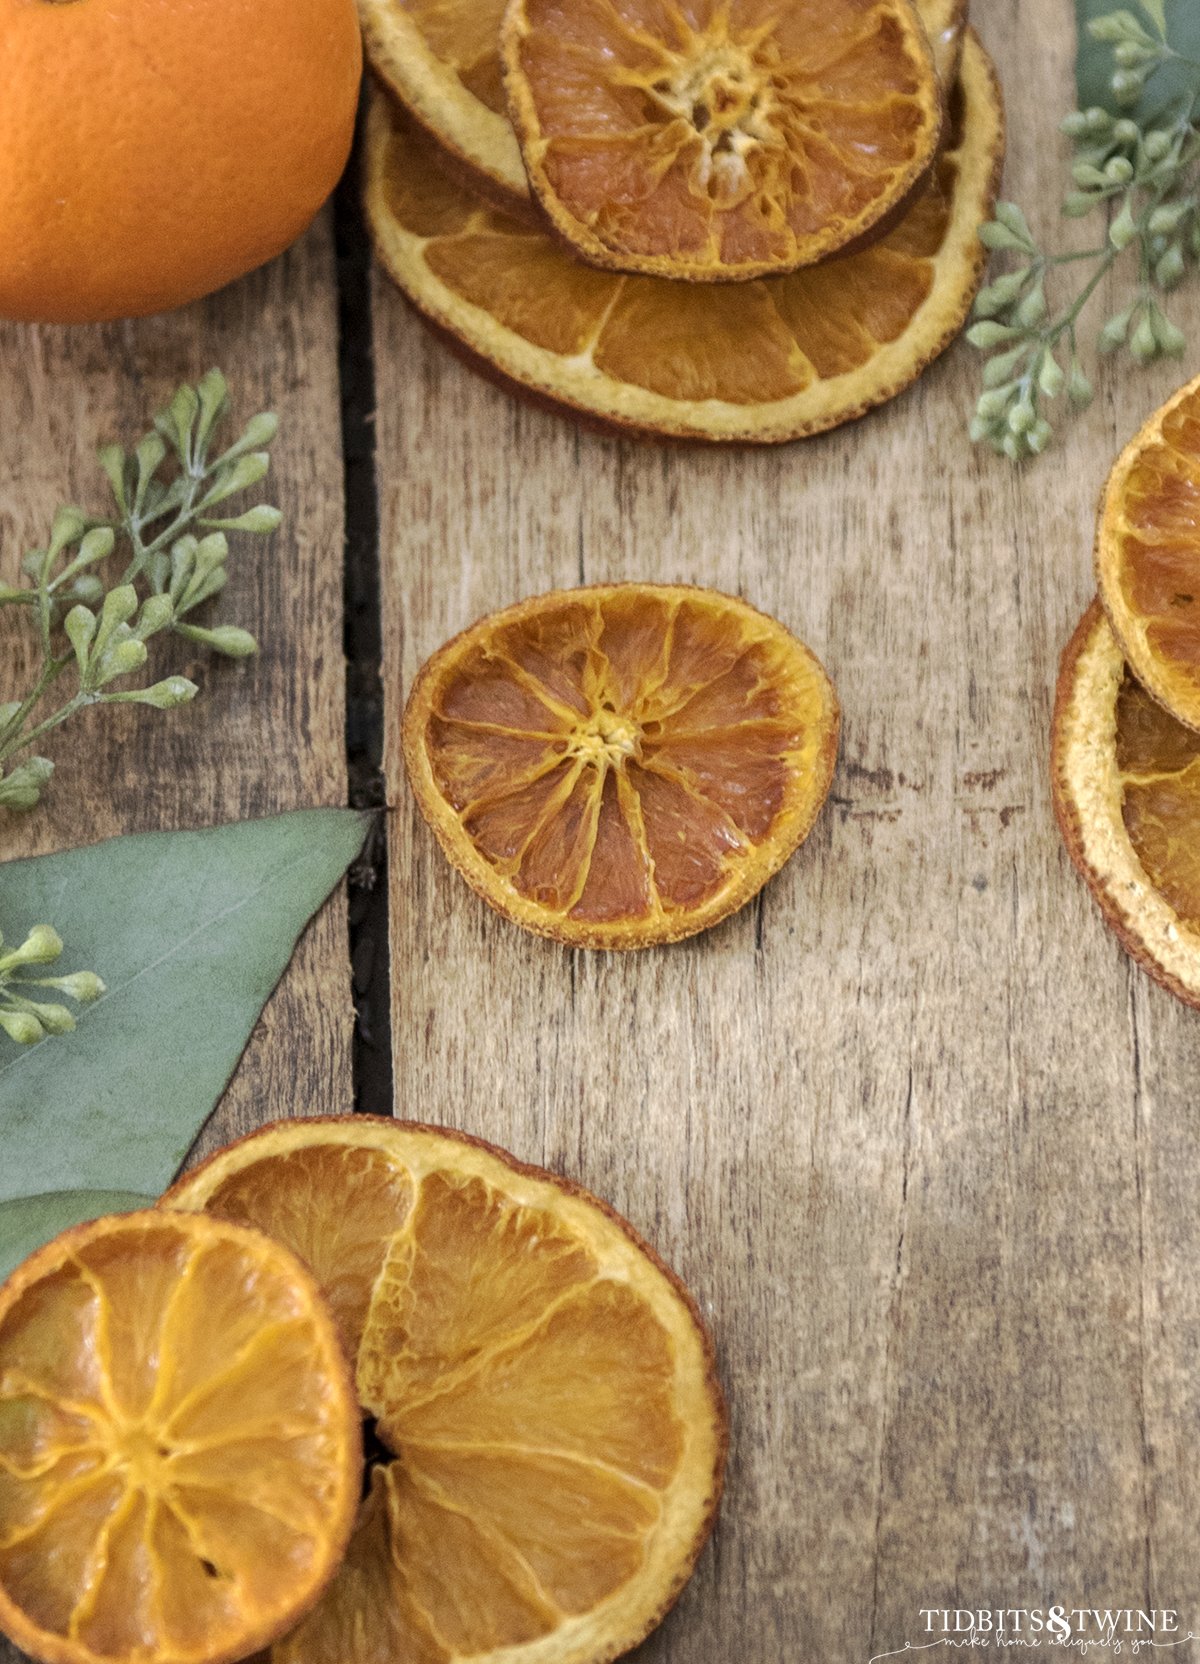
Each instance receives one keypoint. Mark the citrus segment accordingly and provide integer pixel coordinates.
(1148, 554)
(623, 764)
(179, 1448)
(545, 1390)
(719, 142)
(1126, 779)
(441, 59)
(765, 361)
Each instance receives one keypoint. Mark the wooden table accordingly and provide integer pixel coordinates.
(920, 1137)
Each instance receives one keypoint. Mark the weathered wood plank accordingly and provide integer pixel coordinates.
(918, 1135)
(264, 734)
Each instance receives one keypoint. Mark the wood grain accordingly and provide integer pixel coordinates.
(264, 734)
(918, 1135)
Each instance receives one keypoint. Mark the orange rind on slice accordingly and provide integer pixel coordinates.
(1148, 554)
(1126, 783)
(716, 142)
(180, 1452)
(945, 23)
(764, 362)
(621, 765)
(542, 1385)
(441, 60)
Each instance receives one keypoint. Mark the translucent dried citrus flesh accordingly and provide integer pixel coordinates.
(179, 1443)
(622, 764)
(543, 1382)
(1148, 553)
(441, 59)
(765, 361)
(1126, 778)
(716, 140)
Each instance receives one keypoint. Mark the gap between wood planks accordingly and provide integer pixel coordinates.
(363, 643)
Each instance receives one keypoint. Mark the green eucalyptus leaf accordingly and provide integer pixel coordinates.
(29, 1221)
(190, 932)
(1094, 58)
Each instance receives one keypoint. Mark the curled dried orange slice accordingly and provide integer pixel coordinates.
(1126, 780)
(765, 361)
(719, 141)
(179, 1443)
(1148, 554)
(624, 764)
(543, 1387)
(441, 59)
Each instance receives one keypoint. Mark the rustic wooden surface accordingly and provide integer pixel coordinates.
(920, 1137)
(265, 734)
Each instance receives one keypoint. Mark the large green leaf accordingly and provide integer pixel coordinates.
(29, 1221)
(190, 931)
(1094, 60)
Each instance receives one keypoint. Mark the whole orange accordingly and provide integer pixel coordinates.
(153, 150)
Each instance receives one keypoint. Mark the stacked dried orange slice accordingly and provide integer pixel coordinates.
(1126, 742)
(550, 1435)
(722, 222)
(180, 1449)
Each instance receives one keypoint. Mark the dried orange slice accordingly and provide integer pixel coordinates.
(1126, 779)
(543, 1384)
(719, 141)
(179, 1443)
(441, 59)
(765, 361)
(622, 764)
(1148, 554)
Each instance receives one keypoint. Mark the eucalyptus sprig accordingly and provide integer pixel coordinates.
(27, 1020)
(104, 585)
(1143, 171)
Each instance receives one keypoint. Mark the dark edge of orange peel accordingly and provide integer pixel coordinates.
(579, 934)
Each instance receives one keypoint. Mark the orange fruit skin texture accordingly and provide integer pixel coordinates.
(621, 765)
(1148, 554)
(1125, 778)
(543, 1381)
(151, 152)
(180, 1447)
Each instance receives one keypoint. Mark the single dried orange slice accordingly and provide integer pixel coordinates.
(543, 1387)
(180, 1454)
(1148, 554)
(719, 141)
(622, 764)
(1126, 779)
(441, 59)
(765, 361)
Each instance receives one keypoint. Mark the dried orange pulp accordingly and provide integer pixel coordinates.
(441, 59)
(622, 764)
(150, 153)
(764, 362)
(1148, 553)
(179, 1443)
(1126, 779)
(719, 139)
(543, 1382)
